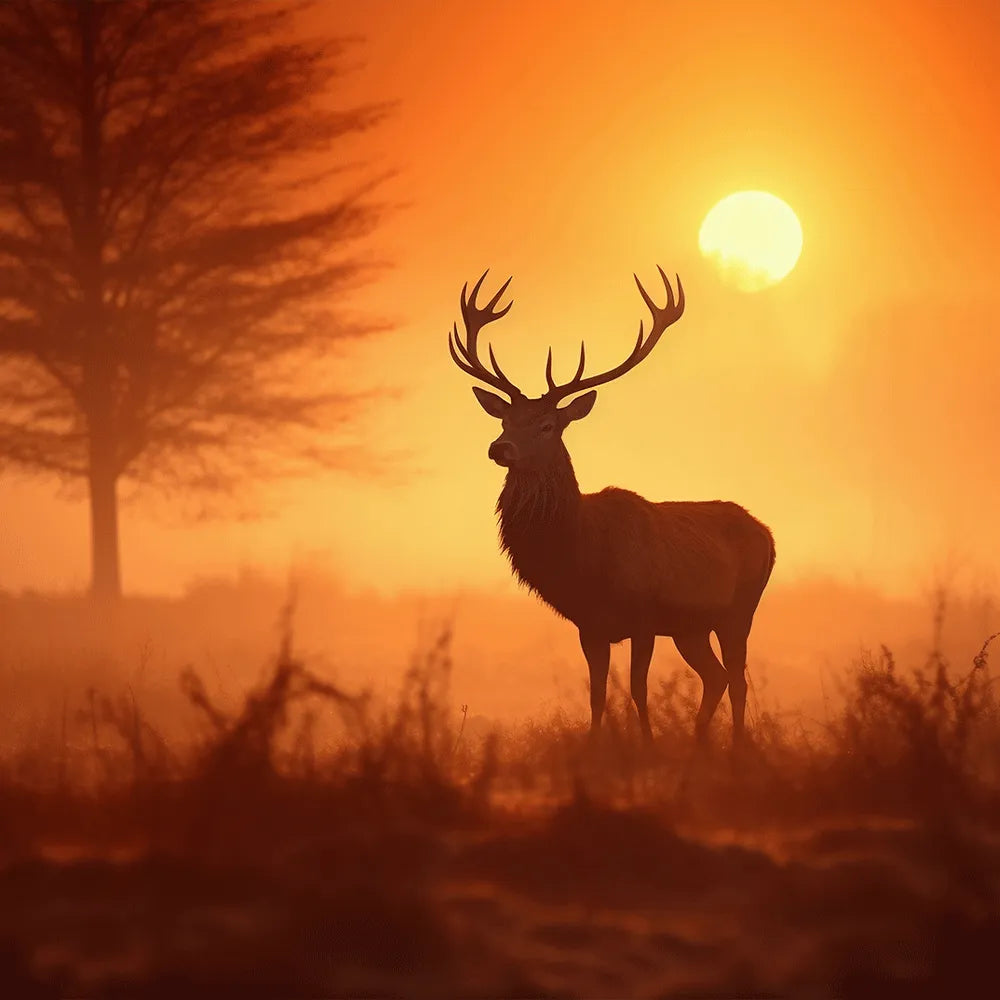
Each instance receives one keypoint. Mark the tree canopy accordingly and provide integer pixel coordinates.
(178, 229)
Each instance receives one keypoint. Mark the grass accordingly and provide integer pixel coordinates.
(318, 841)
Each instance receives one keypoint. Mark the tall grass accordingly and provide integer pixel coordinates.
(310, 839)
(902, 741)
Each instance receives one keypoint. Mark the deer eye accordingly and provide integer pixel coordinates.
(548, 427)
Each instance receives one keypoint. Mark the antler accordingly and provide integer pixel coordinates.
(662, 318)
(475, 318)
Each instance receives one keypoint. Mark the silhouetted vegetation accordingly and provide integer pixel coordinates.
(176, 244)
(315, 840)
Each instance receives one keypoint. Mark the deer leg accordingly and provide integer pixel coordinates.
(697, 651)
(733, 641)
(642, 653)
(598, 654)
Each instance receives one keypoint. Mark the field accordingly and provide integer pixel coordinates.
(298, 834)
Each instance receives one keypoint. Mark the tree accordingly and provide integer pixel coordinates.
(171, 253)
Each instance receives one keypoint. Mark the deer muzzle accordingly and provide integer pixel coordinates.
(503, 452)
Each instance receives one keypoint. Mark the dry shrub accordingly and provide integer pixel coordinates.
(924, 739)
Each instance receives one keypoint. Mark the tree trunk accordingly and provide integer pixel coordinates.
(98, 375)
(105, 574)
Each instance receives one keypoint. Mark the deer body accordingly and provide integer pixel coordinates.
(615, 564)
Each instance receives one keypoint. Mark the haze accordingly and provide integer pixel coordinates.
(851, 407)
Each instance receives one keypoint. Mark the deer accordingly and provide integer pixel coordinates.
(616, 565)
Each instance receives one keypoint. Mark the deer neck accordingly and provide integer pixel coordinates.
(538, 512)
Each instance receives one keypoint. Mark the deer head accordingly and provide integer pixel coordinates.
(532, 428)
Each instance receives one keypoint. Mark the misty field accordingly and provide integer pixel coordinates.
(291, 831)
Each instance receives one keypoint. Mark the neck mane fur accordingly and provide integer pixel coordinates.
(538, 514)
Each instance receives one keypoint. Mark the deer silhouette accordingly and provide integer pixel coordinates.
(615, 564)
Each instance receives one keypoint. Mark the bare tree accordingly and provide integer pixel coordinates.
(175, 242)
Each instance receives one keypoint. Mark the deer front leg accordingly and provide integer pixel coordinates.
(598, 654)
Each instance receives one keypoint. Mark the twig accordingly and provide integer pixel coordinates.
(461, 729)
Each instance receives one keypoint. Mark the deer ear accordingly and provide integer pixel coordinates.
(491, 403)
(580, 407)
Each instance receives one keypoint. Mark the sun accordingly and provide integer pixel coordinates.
(753, 237)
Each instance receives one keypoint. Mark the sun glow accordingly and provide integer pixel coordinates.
(753, 237)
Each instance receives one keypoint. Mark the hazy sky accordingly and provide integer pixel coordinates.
(851, 407)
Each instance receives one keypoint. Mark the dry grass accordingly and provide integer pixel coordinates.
(316, 841)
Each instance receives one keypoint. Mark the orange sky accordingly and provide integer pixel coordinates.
(852, 407)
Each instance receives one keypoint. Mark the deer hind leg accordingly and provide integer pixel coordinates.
(696, 648)
(598, 654)
(642, 653)
(733, 642)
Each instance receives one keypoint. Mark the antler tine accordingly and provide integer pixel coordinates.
(496, 299)
(466, 302)
(579, 369)
(475, 317)
(666, 284)
(650, 304)
(454, 355)
(481, 315)
(496, 367)
(458, 342)
(662, 318)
